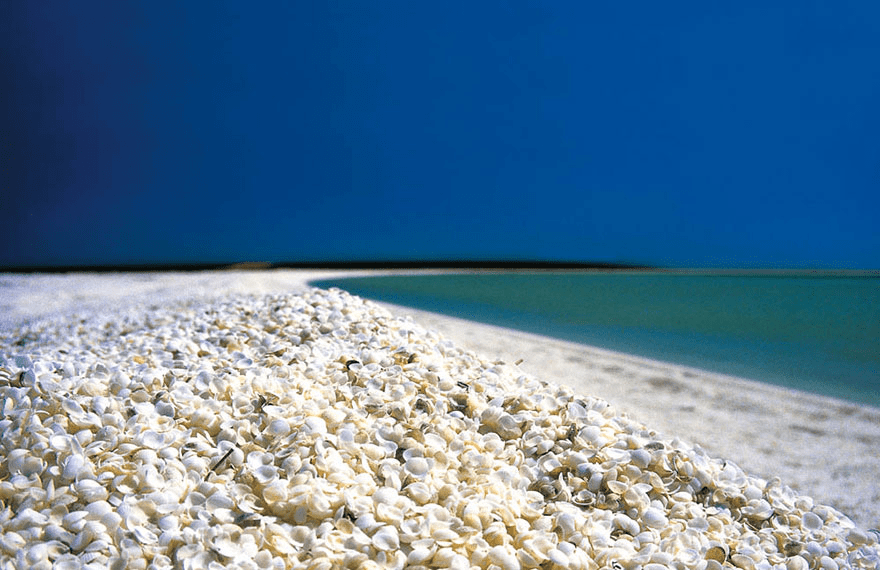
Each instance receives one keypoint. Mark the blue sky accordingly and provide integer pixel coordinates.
(688, 134)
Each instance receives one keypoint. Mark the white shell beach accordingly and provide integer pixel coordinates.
(821, 447)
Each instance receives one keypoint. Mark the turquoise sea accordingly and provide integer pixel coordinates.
(816, 333)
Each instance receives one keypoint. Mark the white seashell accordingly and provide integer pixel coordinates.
(441, 531)
(144, 536)
(595, 482)
(74, 520)
(386, 538)
(372, 451)
(576, 411)
(21, 462)
(345, 436)
(90, 490)
(36, 553)
(417, 467)
(558, 557)
(53, 532)
(550, 464)
(815, 549)
(538, 545)
(219, 500)
(504, 558)
(29, 518)
(225, 546)
(301, 514)
(385, 495)
(857, 537)
(165, 409)
(278, 428)
(85, 536)
(640, 457)
(257, 459)
(626, 524)
(434, 441)
(366, 522)
(133, 515)
(508, 426)
(319, 505)
(418, 492)
(544, 445)
(699, 524)
(752, 492)
(265, 474)
(388, 447)
(61, 443)
(592, 435)
(98, 509)
(567, 523)
(263, 559)
(71, 407)
(67, 562)
(636, 497)
(616, 455)
(333, 417)
(825, 513)
(275, 492)
(811, 521)
(315, 426)
(758, 509)
(149, 478)
(169, 523)
(419, 555)
(654, 518)
(578, 458)
(151, 439)
(742, 561)
(11, 542)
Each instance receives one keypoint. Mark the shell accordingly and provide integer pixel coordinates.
(386, 538)
(417, 467)
(317, 430)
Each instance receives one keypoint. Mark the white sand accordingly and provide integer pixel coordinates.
(821, 447)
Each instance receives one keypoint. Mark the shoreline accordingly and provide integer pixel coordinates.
(805, 332)
(821, 447)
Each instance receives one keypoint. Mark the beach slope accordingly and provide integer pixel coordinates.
(670, 435)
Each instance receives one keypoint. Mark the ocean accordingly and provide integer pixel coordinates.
(812, 332)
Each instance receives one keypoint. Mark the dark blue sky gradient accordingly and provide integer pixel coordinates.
(209, 132)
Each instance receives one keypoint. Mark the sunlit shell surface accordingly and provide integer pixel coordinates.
(319, 431)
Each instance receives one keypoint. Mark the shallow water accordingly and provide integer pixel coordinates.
(812, 333)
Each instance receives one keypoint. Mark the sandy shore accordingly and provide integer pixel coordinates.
(819, 446)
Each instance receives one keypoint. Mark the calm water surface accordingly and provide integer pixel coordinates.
(812, 333)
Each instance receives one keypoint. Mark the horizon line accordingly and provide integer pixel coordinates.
(449, 264)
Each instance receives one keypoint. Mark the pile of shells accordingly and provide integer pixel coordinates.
(319, 431)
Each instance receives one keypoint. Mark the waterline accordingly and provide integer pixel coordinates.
(813, 333)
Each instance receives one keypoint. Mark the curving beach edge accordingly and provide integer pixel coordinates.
(190, 418)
